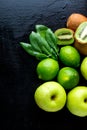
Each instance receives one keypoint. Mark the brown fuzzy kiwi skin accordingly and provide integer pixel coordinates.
(74, 20)
(82, 48)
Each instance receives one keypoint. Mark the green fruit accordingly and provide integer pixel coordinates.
(64, 36)
(81, 38)
(83, 68)
(69, 56)
(81, 33)
(47, 69)
(77, 101)
(50, 96)
(68, 77)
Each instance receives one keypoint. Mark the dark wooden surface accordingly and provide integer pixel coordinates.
(18, 79)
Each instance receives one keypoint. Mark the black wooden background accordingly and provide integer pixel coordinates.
(18, 79)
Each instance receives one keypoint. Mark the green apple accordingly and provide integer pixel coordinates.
(83, 68)
(50, 96)
(77, 101)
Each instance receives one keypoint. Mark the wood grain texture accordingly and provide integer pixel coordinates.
(18, 79)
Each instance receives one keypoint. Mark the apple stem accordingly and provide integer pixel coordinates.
(85, 100)
(53, 97)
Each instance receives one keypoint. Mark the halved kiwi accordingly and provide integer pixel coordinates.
(81, 38)
(65, 36)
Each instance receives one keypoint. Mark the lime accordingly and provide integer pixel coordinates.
(69, 56)
(47, 69)
(83, 68)
(68, 77)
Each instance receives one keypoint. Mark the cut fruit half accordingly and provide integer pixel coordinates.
(64, 36)
(81, 38)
